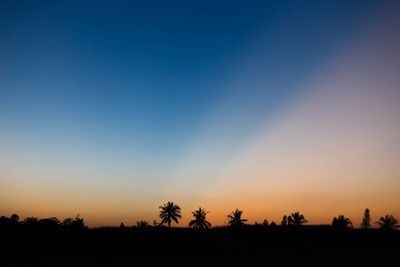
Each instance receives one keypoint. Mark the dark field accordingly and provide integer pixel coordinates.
(249, 245)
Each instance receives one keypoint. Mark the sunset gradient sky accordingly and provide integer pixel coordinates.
(109, 109)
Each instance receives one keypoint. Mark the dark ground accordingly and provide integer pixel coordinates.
(23, 245)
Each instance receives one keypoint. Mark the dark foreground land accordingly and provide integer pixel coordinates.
(249, 246)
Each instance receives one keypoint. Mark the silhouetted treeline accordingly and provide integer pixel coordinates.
(52, 242)
(51, 223)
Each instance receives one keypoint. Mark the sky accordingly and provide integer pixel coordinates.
(109, 109)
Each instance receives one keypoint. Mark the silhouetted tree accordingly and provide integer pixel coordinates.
(142, 224)
(121, 225)
(7, 221)
(14, 218)
(200, 221)
(284, 220)
(30, 221)
(73, 223)
(366, 221)
(51, 220)
(341, 222)
(170, 212)
(265, 223)
(272, 224)
(49, 223)
(389, 222)
(235, 218)
(296, 219)
(4, 219)
(67, 222)
(79, 222)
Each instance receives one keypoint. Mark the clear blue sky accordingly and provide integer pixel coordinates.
(124, 87)
(147, 74)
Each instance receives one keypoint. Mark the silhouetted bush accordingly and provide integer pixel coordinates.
(296, 219)
(341, 222)
(284, 221)
(142, 224)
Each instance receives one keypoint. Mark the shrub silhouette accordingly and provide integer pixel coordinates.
(200, 221)
(170, 212)
(284, 220)
(389, 222)
(142, 224)
(366, 221)
(235, 218)
(341, 222)
(296, 219)
(265, 223)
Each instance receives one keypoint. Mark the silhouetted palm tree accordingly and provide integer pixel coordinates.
(200, 221)
(341, 222)
(388, 222)
(235, 218)
(296, 219)
(366, 221)
(170, 212)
